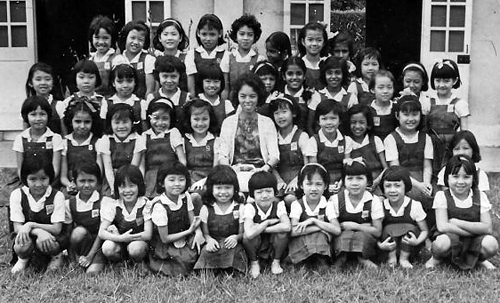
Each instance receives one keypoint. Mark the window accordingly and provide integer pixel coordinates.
(13, 24)
(448, 26)
(300, 12)
(153, 12)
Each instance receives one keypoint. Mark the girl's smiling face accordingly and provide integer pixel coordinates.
(42, 83)
(38, 183)
(85, 82)
(82, 124)
(333, 78)
(121, 127)
(313, 187)
(356, 185)
(408, 121)
(124, 87)
(269, 82)
(463, 148)
(444, 86)
(369, 66)
(211, 87)
(383, 89)
(329, 123)
(102, 41)
(414, 81)
(200, 120)
(460, 183)
(223, 193)
(245, 37)
(294, 77)
(169, 81)
(174, 185)
(313, 42)
(283, 116)
(359, 125)
(248, 98)
(209, 37)
(135, 41)
(38, 119)
(170, 38)
(128, 191)
(394, 190)
(160, 121)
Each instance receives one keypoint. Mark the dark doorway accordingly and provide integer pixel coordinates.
(62, 29)
(394, 27)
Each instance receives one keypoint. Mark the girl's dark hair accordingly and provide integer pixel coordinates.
(334, 63)
(88, 167)
(307, 172)
(212, 72)
(183, 44)
(255, 83)
(131, 173)
(285, 102)
(214, 126)
(469, 137)
(139, 26)
(106, 24)
(294, 60)
(123, 71)
(326, 106)
(314, 26)
(175, 168)
(394, 174)
(358, 109)
(262, 179)
(32, 103)
(160, 103)
(220, 174)
(32, 165)
(381, 73)
(43, 67)
(342, 38)
(281, 42)
(409, 104)
(357, 169)
(456, 163)
(248, 20)
(265, 67)
(368, 53)
(419, 68)
(80, 106)
(88, 67)
(212, 22)
(168, 64)
(119, 111)
(446, 69)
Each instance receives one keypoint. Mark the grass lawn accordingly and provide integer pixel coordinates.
(353, 284)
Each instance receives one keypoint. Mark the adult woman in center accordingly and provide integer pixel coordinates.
(249, 141)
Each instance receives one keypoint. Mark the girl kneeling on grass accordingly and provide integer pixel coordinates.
(312, 217)
(360, 216)
(266, 224)
(463, 219)
(130, 214)
(404, 226)
(37, 214)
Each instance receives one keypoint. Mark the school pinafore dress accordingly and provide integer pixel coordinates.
(200, 159)
(364, 97)
(122, 225)
(291, 159)
(104, 70)
(397, 227)
(383, 125)
(173, 258)
(331, 158)
(344, 101)
(220, 227)
(55, 123)
(266, 250)
(302, 247)
(236, 69)
(304, 111)
(442, 123)
(140, 87)
(351, 241)
(203, 63)
(158, 151)
(38, 150)
(78, 154)
(370, 157)
(312, 78)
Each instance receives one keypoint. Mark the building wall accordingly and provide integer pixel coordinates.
(270, 15)
(484, 94)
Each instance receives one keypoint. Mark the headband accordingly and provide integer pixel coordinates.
(416, 66)
(314, 164)
(350, 161)
(259, 66)
(441, 64)
(281, 96)
(173, 21)
(165, 101)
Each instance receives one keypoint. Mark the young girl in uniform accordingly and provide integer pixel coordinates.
(360, 216)
(37, 141)
(130, 214)
(83, 213)
(334, 75)
(404, 227)
(384, 121)
(463, 219)
(278, 49)
(121, 145)
(292, 143)
(37, 214)
(177, 238)
(412, 149)
(365, 145)
(245, 31)
(266, 224)
(209, 35)
(368, 62)
(294, 73)
(102, 37)
(270, 77)
(211, 80)
(222, 223)
(312, 47)
(41, 81)
(164, 142)
(447, 112)
(124, 80)
(86, 78)
(342, 46)
(416, 81)
(134, 40)
(170, 39)
(85, 129)
(312, 218)
(328, 146)
(464, 143)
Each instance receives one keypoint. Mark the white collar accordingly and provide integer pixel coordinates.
(215, 103)
(298, 94)
(323, 138)
(74, 143)
(203, 142)
(93, 198)
(48, 133)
